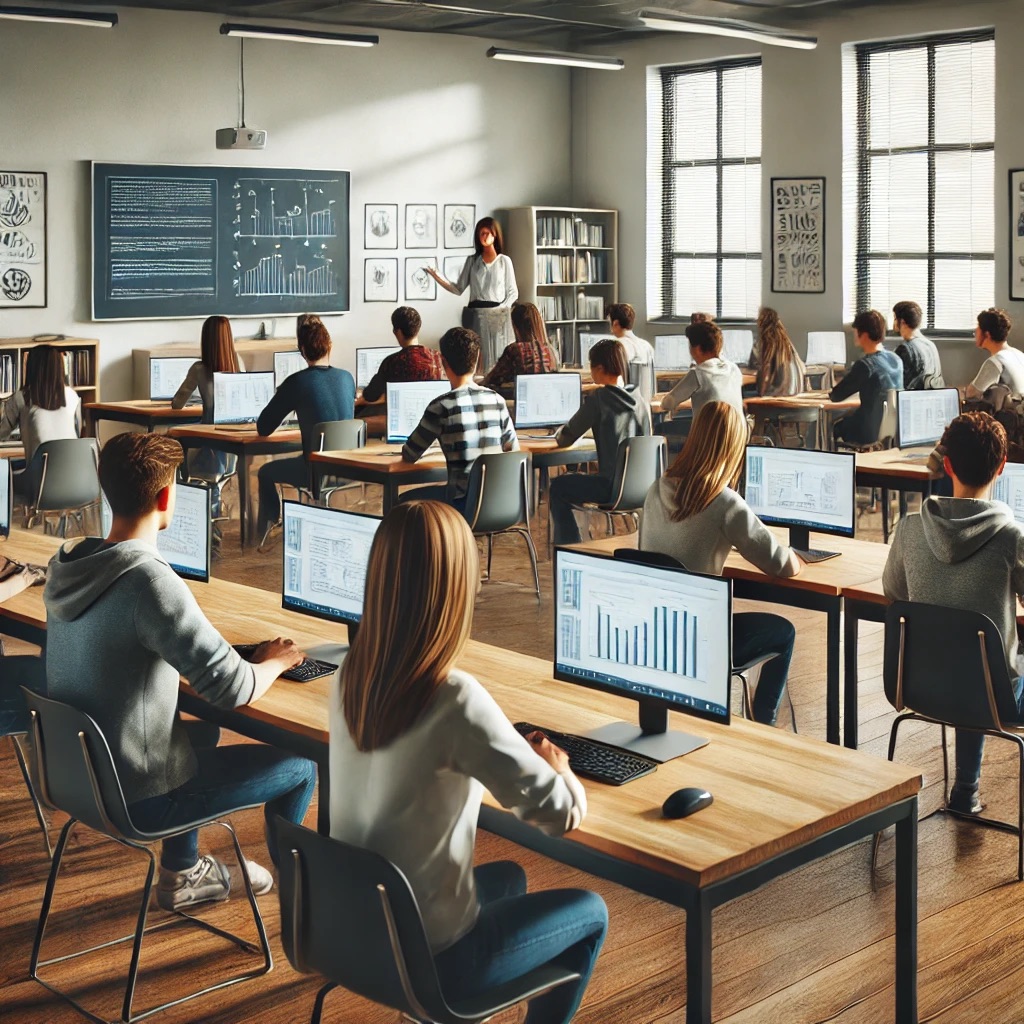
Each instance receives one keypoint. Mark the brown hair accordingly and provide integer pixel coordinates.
(406, 320)
(705, 336)
(44, 378)
(218, 345)
(871, 323)
(134, 468)
(495, 229)
(610, 355)
(314, 339)
(301, 319)
(528, 324)
(976, 446)
(421, 584)
(995, 323)
(460, 349)
(621, 313)
(908, 313)
(776, 347)
(701, 318)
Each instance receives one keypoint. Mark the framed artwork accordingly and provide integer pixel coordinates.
(421, 225)
(380, 279)
(453, 267)
(23, 239)
(1016, 234)
(798, 234)
(380, 226)
(459, 220)
(419, 285)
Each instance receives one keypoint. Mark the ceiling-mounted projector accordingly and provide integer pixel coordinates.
(241, 138)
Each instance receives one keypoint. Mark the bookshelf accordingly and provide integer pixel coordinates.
(566, 262)
(81, 363)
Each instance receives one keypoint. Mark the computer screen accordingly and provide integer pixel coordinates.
(406, 403)
(287, 363)
(166, 374)
(1009, 488)
(547, 399)
(922, 416)
(826, 348)
(587, 342)
(672, 352)
(241, 397)
(368, 361)
(737, 346)
(6, 498)
(326, 551)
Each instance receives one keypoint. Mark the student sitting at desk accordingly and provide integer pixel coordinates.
(613, 411)
(873, 375)
(780, 371)
(1005, 365)
(412, 361)
(122, 629)
(965, 552)
(531, 352)
(414, 743)
(469, 421)
(922, 370)
(694, 515)
(712, 379)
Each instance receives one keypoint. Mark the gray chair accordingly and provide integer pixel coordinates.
(350, 915)
(644, 377)
(336, 435)
(69, 483)
(498, 501)
(75, 772)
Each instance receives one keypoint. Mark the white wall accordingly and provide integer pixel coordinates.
(802, 135)
(419, 118)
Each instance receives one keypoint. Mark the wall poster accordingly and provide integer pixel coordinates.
(798, 234)
(1017, 234)
(23, 239)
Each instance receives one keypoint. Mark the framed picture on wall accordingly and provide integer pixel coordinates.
(798, 234)
(459, 220)
(421, 225)
(380, 279)
(453, 266)
(1017, 234)
(23, 239)
(419, 285)
(380, 226)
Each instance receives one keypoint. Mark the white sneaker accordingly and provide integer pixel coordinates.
(262, 880)
(207, 880)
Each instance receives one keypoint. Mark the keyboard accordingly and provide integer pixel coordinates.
(306, 672)
(816, 554)
(592, 760)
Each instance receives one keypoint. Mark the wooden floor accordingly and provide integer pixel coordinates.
(815, 946)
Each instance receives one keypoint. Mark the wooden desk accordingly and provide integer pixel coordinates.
(827, 410)
(143, 413)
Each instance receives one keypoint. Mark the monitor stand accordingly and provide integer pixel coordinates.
(800, 542)
(651, 738)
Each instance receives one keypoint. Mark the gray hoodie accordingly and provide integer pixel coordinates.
(613, 414)
(961, 553)
(121, 629)
(714, 380)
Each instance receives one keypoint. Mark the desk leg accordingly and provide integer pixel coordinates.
(246, 520)
(832, 675)
(851, 620)
(906, 916)
(390, 496)
(698, 960)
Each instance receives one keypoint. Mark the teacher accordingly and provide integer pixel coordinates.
(491, 280)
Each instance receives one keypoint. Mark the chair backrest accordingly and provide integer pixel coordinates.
(887, 428)
(640, 461)
(643, 376)
(350, 915)
(69, 476)
(655, 558)
(25, 670)
(340, 435)
(947, 664)
(498, 492)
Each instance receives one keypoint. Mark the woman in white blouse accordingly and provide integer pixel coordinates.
(414, 743)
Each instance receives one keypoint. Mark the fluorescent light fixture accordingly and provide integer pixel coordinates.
(297, 35)
(673, 21)
(571, 60)
(53, 14)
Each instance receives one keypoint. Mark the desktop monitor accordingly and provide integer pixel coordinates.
(922, 416)
(662, 636)
(368, 361)
(826, 348)
(804, 490)
(166, 374)
(672, 352)
(547, 399)
(406, 403)
(241, 397)
(287, 363)
(1009, 488)
(587, 342)
(737, 346)
(6, 498)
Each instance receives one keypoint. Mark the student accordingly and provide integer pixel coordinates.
(712, 378)
(922, 370)
(122, 629)
(872, 376)
(412, 361)
(317, 394)
(1004, 365)
(531, 352)
(780, 371)
(414, 741)
(613, 411)
(694, 514)
(621, 316)
(469, 421)
(965, 552)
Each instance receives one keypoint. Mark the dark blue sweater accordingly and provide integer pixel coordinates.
(317, 394)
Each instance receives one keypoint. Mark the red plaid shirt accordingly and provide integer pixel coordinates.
(521, 357)
(417, 362)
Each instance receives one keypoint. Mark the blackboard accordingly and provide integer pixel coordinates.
(171, 240)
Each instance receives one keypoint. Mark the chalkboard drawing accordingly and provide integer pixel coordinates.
(380, 226)
(380, 280)
(23, 239)
(285, 209)
(278, 275)
(798, 234)
(458, 225)
(421, 225)
(419, 285)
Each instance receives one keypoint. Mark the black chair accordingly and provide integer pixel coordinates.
(351, 916)
(960, 682)
(75, 772)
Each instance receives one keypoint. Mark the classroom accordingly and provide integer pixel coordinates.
(822, 158)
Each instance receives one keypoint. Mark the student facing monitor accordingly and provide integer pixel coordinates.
(547, 399)
(737, 346)
(166, 374)
(406, 403)
(672, 352)
(804, 490)
(368, 361)
(6, 498)
(1009, 488)
(826, 348)
(922, 416)
(287, 363)
(241, 397)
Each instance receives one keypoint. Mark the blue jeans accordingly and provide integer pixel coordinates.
(573, 489)
(227, 779)
(517, 932)
(434, 492)
(294, 472)
(758, 633)
(970, 746)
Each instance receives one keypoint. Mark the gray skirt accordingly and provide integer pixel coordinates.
(494, 325)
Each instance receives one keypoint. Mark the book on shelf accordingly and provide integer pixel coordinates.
(589, 234)
(557, 307)
(78, 367)
(555, 268)
(589, 307)
(555, 230)
(591, 267)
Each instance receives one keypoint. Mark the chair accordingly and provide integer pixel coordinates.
(498, 501)
(961, 682)
(351, 916)
(885, 439)
(75, 773)
(336, 435)
(69, 482)
(773, 426)
(643, 376)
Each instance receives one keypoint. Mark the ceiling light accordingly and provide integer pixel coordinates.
(298, 35)
(672, 21)
(85, 18)
(571, 60)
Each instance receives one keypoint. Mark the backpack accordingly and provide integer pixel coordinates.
(1008, 409)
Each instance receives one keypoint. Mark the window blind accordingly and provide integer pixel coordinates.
(918, 183)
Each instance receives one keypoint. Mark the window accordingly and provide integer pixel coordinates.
(919, 141)
(704, 209)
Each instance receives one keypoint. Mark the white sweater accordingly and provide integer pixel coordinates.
(416, 801)
(39, 425)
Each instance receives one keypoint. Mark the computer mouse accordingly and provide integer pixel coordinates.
(684, 802)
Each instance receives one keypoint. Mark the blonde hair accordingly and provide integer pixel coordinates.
(711, 459)
(776, 347)
(421, 585)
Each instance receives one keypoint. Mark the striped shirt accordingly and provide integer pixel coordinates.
(470, 421)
